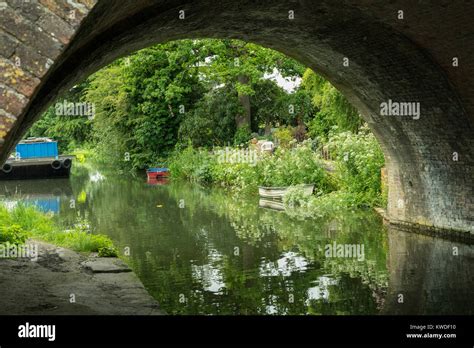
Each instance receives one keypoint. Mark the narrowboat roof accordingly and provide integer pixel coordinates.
(34, 140)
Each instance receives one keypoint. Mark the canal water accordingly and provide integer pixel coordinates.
(205, 251)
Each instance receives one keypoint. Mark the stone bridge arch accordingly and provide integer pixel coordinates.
(401, 51)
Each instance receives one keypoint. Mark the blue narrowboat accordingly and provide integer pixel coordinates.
(36, 158)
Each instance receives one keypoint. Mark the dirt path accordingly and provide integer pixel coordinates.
(58, 276)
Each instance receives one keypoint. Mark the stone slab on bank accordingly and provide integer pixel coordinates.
(56, 282)
(106, 265)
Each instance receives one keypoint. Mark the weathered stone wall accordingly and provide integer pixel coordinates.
(33, 34)
(409, 59)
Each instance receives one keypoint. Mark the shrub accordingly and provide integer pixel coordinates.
(108, 251)
(299, 133)
(203, 173)
(319, 206)
(283, 136)
(300, 165)
(29, 219)
(83, 241)
(296, 196)
(242, 135)
(24, 221)
(191, 164)
(13, 234)
(360, 160)
(238, 176)
(286, 167)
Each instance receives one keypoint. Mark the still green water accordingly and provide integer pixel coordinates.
(206, 251)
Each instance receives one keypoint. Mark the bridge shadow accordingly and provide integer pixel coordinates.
(428, 275)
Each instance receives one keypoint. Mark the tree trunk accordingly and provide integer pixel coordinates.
(268, 128)
(243, 119)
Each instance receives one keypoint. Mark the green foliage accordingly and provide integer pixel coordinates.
(212, 121)
(233, 58)
(69, 131)
(163, 84)
(107, 91)
(189, 164)
(268, 105)
(157, 96)
(301, 206)
(108, 251)
(299, 165)
(141, 101)
(13, 234)
(188, 91)
(284, 136)
(242, 136)
(334, 112)
(236, 176)
(360, 160)
(28, 218)
(357, 177)
(240, 67)
(79, 240)
(296, 196)
(25, 221)
(272, 105)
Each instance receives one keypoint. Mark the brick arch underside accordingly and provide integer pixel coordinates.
(426, 187)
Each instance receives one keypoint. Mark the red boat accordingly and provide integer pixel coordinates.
(158, 181)
(154, 173)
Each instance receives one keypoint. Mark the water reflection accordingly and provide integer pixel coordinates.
(206, 252)
(209, 275)
(321, 290)
(202, 251)
(46, 195)
(290, 262)
(430, 275)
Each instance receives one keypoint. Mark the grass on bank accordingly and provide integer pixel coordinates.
(23, 222)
